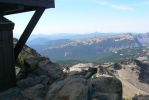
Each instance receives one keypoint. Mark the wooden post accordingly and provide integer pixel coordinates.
(27, 32)
(7, 67)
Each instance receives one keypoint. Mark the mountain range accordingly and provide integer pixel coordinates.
(34, 70)
(95, 47)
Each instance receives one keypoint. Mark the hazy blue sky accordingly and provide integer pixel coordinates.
(85, 16)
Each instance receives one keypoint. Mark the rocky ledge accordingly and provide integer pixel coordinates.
(40, 79)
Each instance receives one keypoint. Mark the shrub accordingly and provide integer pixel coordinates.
(21, 58)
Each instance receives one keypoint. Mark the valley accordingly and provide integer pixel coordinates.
(96, 48)
(121, 56)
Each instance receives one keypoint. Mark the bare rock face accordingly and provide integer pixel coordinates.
(34, 92)
(52, 70)
(77, 88)
(106, 88)
(34, 67)
(72, 87)
(11, 94)
(40, 79)
(141, 97)
(30, 64)
(32, 81)
(117, 66)
(144, 71)
(81, 66)
(46, 81)
(69, 89)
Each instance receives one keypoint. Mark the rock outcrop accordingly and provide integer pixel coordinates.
(106, 88)
(71, 88)
(134, 75)
(41, 79)
(141, 97)
(44, 80)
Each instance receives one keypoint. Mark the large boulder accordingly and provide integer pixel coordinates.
(141, 97)
(32, 81)
(30, 64)
(117, 66)
(36, 92)
(38, 66)
(11, 94)
(80, 88)
(106, 88)
(72, 88)
(52, 70)
(80, 67)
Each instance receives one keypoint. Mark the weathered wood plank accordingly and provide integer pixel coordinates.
(27, 32)
(18, 6)
(7, 67)
(35, 3)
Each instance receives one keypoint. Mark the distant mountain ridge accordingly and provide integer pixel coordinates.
(92, 48)
(71, 36)
(143, 38)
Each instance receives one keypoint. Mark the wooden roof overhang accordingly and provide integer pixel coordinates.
(18, 6)
(8, 7)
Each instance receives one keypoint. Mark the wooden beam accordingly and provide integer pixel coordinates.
(31, 3)
(27, 32)
(7, 67)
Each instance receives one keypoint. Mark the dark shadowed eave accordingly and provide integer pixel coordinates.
(18, 6)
